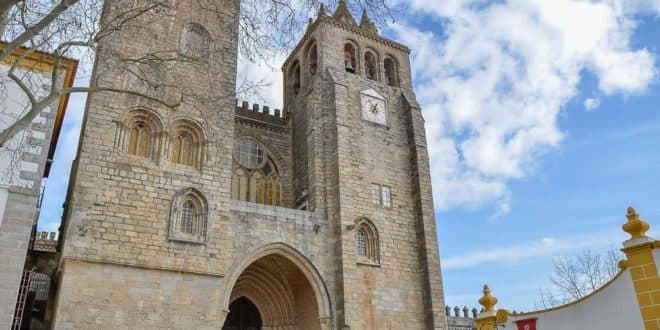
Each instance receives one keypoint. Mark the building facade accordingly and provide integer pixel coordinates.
(210, 215)
(25, 160)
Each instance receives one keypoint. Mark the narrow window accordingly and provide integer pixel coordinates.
(370, 66)
(350, 61)
(295, 79)
(362, 242)
(274, 190)
(182, 148)
(375, 194)
(313, 60)
(139, 140)
(239, 185)
(187, 217)
(391, 74)
(387, 201)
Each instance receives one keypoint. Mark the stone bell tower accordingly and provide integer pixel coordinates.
(360, 157)
(150, 186)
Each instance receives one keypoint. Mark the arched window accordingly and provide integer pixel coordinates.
(256, 177)
(371, 66)
(196, 41)
(313, 60)
(139, 141)
(295, 78)
(187, 143)
(189, 216)
(367, 242)
(139, 134)
(350, 59)
(391, 72)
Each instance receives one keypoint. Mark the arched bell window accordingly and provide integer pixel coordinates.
(256, 177)
(189, 216)
(313, 60)
(295, 78)
(350, 58)
(370, 65)
(391, 72)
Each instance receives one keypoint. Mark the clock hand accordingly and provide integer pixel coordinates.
(374, 108)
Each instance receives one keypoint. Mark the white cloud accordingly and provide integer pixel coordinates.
(545, 247)
(493, 83)
(591, 103)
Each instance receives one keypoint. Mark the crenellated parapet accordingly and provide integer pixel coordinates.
(461, 318)
(45, 242)
(261, 116)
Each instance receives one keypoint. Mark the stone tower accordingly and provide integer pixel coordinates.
(209, 215)
(359, 150)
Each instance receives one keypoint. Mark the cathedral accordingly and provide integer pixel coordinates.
(218, 215)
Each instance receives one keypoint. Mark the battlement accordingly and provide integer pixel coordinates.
(45, 241)
(261, 114)
(462, 319)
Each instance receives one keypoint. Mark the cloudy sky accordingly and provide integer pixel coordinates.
(542, 124)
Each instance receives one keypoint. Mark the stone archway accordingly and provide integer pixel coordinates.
(285, 289)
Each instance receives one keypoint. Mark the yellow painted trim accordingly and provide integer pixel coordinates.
(595, 292)
(44, 62)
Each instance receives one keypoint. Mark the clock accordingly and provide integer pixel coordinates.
(373, 107)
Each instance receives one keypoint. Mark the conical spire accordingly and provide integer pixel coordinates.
(321, 12)
(366, 24)
(343, 14)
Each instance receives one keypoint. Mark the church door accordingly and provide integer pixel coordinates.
(243, 315)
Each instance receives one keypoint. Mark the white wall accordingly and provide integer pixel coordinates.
(3, 203)
(13, 104)
(614, 307)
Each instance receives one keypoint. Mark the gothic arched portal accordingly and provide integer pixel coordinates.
(284, 288)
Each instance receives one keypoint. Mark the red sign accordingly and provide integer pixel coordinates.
(528, 324)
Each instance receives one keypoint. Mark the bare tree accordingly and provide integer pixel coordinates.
(575, 276)
(74, 28)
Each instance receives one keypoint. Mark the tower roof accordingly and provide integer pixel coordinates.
(343, 14)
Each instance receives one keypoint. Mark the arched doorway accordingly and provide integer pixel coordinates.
(243, 315)
(282, 287)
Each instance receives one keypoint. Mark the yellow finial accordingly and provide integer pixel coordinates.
(635, 226)
(487, 300)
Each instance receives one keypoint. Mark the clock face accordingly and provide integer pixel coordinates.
(373, 107)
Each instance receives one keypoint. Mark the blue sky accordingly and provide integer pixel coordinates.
(542, 125)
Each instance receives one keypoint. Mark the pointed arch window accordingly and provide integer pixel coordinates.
(367, 244)
(350, 58)
(189, 217)
(256, 178)
(371, 65)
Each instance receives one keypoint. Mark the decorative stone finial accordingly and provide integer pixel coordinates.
(635, 226)
(321, 12)
(487, 300)
(343, 14)
(366, 24)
